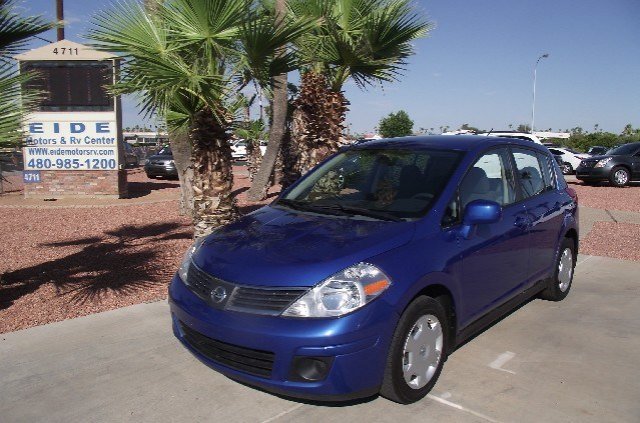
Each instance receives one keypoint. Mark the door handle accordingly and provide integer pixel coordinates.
(522, 222)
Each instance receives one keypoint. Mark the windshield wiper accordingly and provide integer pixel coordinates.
(377, 214)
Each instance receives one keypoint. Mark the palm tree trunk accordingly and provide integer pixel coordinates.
(213, 203)
(182, 156)
(254, 158)
(318, 121)
(260, 185)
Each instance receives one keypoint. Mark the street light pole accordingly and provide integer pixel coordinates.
(533, 107)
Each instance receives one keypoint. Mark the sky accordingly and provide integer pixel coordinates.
(476, 65)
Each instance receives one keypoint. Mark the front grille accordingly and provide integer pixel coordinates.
(263, 300)
(201, 283)
(271, 301)
(255, 362)
(586, 163)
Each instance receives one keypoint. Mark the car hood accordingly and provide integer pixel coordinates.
(600, 157)
(160, 157)
(282, 247)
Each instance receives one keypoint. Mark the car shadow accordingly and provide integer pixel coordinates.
(335, 404)
(141, 189)
(494, 323)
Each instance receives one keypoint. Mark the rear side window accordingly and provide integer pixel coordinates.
(546, 163)
(528, 167)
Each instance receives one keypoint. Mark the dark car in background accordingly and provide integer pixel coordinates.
(161, 164)
(619, 166)
(130, 156)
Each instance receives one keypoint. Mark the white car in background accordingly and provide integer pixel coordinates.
(514, 134)
(239, 149)
(571, 159)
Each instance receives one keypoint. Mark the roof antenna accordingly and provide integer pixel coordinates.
(489, 133)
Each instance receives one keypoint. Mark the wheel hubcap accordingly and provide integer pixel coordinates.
(565, 269)
(621, 177)
(422, 351)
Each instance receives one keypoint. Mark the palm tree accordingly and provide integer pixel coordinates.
(188, 60)
(258, 190)
(252, 132)
(367, 41)
(15, 31)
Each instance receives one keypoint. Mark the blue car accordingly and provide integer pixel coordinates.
(363, 276)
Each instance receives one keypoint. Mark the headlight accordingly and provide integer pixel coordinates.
(603, 162)
(341, 293)
(186, 259)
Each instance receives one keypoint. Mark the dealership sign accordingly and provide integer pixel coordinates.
(70, 144)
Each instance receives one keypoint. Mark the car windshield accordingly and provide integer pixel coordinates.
(387, 184)
(624, 150)
(165, 151)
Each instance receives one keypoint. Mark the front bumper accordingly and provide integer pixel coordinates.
(592, 173)
(357, 344)
(158, 170)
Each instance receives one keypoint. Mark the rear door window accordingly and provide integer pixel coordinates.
(529, 171)
(546, 163)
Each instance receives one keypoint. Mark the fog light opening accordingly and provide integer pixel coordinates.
(310, 369)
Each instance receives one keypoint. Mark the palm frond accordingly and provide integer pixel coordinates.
(15, 103)
(367, 40)
(264, 46)
(15, 30)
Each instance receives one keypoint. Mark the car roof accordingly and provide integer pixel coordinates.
(449, 142)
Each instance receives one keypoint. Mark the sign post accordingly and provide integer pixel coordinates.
(73, 145)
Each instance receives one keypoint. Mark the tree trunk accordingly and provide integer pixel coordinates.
(254, 158)
(291, 153)
(182, 156)
(318, 122)
(213, 203)
(260, 185)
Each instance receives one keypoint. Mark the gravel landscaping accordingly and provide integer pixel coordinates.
(64, 262)
(610, 239)
(607, 197)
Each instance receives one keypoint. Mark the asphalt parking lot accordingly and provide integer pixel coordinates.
(575, 361)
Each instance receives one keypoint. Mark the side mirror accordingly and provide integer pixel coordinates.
(479, 212)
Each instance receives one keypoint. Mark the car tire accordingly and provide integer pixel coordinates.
(420, 343)
(567, 169)
(560, 284)
(619, 176)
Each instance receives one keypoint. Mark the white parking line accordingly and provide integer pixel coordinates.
(501, 360)
(284, 413)
(461, 408)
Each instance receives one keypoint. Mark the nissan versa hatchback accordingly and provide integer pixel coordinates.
(363, 276)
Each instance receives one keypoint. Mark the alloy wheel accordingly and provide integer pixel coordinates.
(621, 177)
